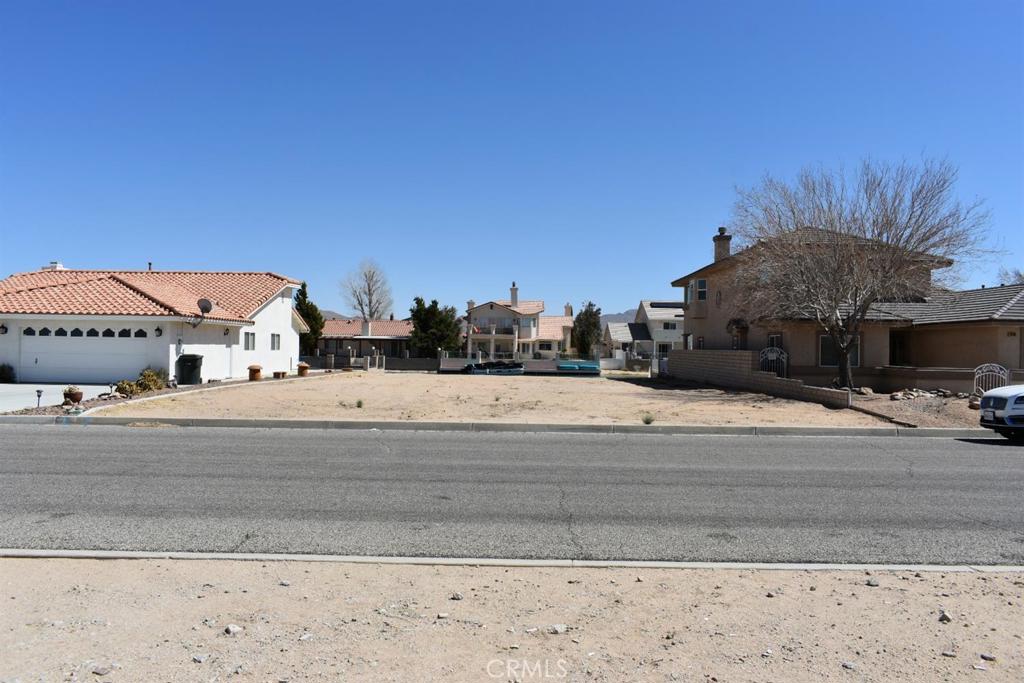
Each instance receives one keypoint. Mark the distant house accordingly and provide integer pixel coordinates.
(101, 326)
(933, 341)
(358, 338)
(658, 325)
(514, 328)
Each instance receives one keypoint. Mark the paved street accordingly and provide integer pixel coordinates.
(794, 499)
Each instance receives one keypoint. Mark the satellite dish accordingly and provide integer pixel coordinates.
(204, 307)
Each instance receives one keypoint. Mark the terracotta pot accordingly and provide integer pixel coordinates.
(73, 396)
(255, 373)
(303, 369)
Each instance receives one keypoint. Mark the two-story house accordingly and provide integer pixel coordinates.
(516, 329)
(933, 341)
(656, 328)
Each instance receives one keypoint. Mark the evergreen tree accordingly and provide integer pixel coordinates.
(586, 329)
(434, 327)
(309, 312)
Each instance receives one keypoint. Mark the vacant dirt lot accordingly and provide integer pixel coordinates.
(931, 411)
(478, 398)
(165, 620)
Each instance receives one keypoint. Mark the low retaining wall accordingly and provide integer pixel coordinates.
(738, 370)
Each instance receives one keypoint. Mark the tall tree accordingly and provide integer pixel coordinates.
(831, 244)
(1011, 276)
(433, 327)
(367, 291)
(586, 329)
(314, 320)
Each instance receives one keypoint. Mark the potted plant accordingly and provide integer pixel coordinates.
(73, 394)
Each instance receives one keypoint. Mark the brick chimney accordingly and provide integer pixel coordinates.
(721, 241)
(568, 309)
(513, 294)
(53, 265)
(470, 305)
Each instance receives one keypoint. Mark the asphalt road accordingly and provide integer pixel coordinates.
(764, 499)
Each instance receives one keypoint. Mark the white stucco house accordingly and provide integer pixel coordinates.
(656, 329)
(100, 326)
(514, 328)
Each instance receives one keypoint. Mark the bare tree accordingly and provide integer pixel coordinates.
(830, 245)
(1011, 276)
(367, 291)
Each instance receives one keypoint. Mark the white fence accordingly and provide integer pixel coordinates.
(990, 376)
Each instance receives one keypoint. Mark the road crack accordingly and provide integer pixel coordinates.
(249, 535)
(563, 506)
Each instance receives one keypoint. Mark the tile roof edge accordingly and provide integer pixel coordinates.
(1013, 300)
(145, 294)
(49, 285)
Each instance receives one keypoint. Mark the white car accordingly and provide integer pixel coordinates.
(1002, 410)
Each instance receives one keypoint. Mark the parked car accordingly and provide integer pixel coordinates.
(1002, 410)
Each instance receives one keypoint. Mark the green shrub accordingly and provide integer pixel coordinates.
(647, 418)
(359, 403)
(127, 388)
(7, 375)
(151, 380)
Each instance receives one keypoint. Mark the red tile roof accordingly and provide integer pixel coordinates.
(345, 329)
(553, 326)
(526, 307)
(235, 296)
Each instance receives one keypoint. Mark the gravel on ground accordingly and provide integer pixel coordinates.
(204, 620)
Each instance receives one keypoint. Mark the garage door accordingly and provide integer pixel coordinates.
(80, 360)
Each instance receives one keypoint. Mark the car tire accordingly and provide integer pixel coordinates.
(1015, 436)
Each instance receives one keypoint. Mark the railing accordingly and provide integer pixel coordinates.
(773, 359)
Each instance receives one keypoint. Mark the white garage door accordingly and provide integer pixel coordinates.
(84, 360)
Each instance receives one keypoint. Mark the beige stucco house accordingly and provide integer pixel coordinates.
(515, 328)
(934, 342)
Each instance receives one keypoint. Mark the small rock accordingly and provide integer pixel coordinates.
(557, 629)
(284, 583)
(988, 657)
(769, 594)
(442, 615)
(944, 617)
(873, 582)
(306, 636)
(767, 653)
(232, 629)
(101, 670)
(948, 653)
(456, 596)
(199, 659)
(849, 665)
(979, 667)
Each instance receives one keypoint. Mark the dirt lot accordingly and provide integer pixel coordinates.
(924, 411)
(165, 620)
(474, 398)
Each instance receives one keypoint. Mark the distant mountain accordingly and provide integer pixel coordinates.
(333, 315)
(624, 317)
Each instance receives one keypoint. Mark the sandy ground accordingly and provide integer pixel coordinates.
(165, 620)
(477, 398)
(925, 411)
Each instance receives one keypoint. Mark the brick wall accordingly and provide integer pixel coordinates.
(738, 370)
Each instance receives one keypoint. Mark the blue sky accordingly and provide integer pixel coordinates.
(587, 150)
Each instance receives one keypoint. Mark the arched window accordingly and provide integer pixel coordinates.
(140, 334)
(29, 332)
(125, 332)
(93, 332)
(108, 332)
(45, 332)
(61, 332)
(76, 332)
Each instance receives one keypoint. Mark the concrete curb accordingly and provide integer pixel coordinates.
(705, 430)
(29, 553)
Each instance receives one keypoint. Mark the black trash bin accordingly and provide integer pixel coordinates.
(189, 368)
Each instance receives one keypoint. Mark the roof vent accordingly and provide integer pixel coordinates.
(54, 265)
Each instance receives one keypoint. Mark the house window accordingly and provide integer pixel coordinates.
(544, 346)
(829, 358)
(668, 326)
(663, 349)
(702, 290)
(275, 342)
(93, 332)
(700, 342)
(140, 334)
(29, 332)
(250, 341)
(108, 332)
(775, 340)
(61, 332)
(45, 332)
(125, 333)
(77, 332)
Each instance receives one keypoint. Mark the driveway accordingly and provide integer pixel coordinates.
(18, 396)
